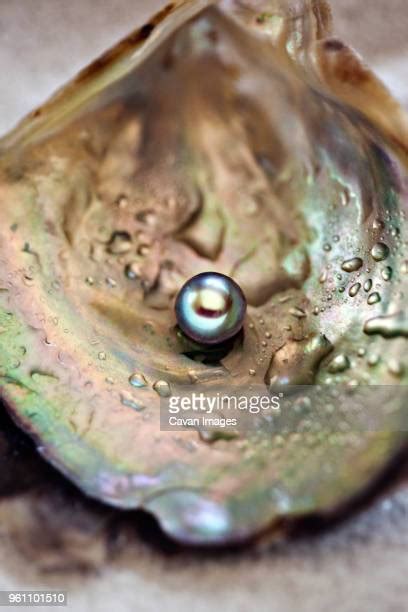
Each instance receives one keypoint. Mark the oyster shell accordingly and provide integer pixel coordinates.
(233, 136)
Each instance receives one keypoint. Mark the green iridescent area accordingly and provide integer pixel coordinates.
(243, 139)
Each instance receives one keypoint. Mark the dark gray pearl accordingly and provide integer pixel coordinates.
(210, 308)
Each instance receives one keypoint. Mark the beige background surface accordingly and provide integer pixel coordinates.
(43, 43)
(361, 565)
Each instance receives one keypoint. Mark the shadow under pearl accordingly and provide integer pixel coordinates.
(211, 355)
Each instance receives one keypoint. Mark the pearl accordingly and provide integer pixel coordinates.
(210, 308)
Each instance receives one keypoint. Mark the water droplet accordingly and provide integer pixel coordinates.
(374, 298)
(352, 265)
(373, 359)
(132, 271)
(387, 273)
(102, 356)
(395, 368)
(138, 380)
(302, 405)
(90, 281)
(354, 290)
(122, 202)
(143, 250)
(120, 242)
(404, 267)
(380, 251)
(130, 401)
(345, 197)
(162, 388)
(391, 326)
(327, 247)
(298, 313)
(28, 280)
(147, 217)
(110, 282)
(323, 277)
(368, 285)
(339, 364)
(378, 224)
(41, 377)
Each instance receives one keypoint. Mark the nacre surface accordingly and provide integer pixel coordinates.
(243, 138)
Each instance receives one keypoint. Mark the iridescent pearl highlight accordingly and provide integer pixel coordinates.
(210, 308)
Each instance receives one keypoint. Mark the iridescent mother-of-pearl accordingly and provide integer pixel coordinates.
(210, 308)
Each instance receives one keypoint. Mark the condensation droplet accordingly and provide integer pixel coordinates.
(323, 277)
(352, 265)
(380, 251)
(339, 364)
(391, 326)
(302, 405)
(373, 359)
(120, 242)
(404, 267)
(138, 380)
(387, 274)
(345, 197)
(298, 313)
(378, 224)
(147, 217)
(354, 289)
(132, 271)
(143, 250)
(110, 282)
(162, 388)
(395, 368)
(374, 298)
